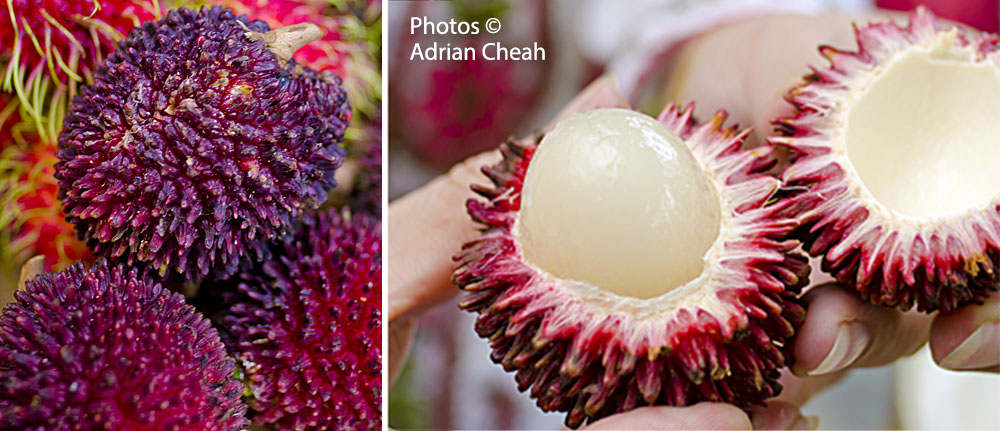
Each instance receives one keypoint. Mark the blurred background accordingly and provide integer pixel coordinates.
(445, 111)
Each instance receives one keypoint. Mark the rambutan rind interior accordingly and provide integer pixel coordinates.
(892, 178)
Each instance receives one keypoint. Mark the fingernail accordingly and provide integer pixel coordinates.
(852, 339)
(806, 423)
(978, 350)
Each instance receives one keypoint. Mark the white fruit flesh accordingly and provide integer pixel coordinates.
(614, 199)
(925, 135)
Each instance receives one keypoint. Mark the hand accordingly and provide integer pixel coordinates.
(968, 338)
(842, 331)
(747, 66)
(430, 224)
(778, 415)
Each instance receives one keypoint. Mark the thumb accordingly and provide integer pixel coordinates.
(702, 416)
(968, 338)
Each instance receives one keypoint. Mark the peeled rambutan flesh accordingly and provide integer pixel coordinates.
(629, 261)
(306, 327)
(107, 348)
(892, 178)
(197, 144)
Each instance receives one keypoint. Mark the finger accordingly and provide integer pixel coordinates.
(842, 331)
(427, 226)
(602, 93)
(400, 334)
(780, 415)
(767, 61)
(703, 416)
(746, 66)
(799, 390)
(968, 338)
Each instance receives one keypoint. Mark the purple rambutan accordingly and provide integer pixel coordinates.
(198, 143)
(306, 327)
(107, 348)
(349, 47)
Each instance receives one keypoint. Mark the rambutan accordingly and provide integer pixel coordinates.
(198, 143)
(306, 327)
(36, 225)
(31, 222)
(892, 179)
(629, 261)
(106, 348)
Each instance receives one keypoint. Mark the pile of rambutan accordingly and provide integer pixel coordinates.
(189, 151)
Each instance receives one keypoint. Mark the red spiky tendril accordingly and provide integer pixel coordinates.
(66, 39)
(40, 226)
(32, 221)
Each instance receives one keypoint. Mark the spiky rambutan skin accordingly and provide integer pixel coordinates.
(349, 47)
(592, 362)
(107, 348)
(195, 146)
(306, 327)
(61, 36)
(936, 266)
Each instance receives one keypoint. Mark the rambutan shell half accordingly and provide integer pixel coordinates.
(880, 228)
